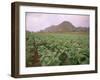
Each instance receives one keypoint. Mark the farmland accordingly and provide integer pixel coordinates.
(55, 49)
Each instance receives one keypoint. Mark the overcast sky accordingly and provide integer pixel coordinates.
(39, 21)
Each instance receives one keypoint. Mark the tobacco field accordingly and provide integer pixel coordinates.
(56, 49)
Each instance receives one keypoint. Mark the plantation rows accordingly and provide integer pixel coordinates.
(53, 49)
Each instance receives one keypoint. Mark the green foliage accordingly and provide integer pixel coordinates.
(57, 48)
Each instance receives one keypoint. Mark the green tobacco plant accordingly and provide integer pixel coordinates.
(53, 49)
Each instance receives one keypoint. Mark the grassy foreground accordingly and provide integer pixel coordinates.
(53, 49)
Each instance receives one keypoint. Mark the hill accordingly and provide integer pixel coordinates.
(65, 27)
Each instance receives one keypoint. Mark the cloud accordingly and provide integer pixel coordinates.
(39, 21)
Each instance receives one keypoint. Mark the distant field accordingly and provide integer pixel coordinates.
(53, 49)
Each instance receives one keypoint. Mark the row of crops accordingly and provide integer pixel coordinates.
(53, 49)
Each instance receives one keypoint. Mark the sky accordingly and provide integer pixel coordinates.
(39, 21)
